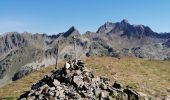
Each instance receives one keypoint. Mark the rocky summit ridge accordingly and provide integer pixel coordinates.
(75, 82)
(23, 53)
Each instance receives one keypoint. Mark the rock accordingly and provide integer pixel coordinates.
(131, 93)
(40, 96)
(35, 86)
(76, 82)
(67, 71)
(61, 94)
(52, 88)
(59, 88)
(57, 93)
(117, 85)
(97, 92)
(104, 94)
(71, 64)
(51, 93)
(103, 86)
(142, 95)
(51, 98)
(80, 63)
(23, 99)
(124, 96)
(42, 87)
(38, 92)
(104, 79)
(67, 65)
(25, 95)
(168, 89)
(45, 90)
(96, 80)
(114, 94)
(56, 82)
(31, 98)
(78, 72)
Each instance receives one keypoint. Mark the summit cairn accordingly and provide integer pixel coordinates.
(75, 82)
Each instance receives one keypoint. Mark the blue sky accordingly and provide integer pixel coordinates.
(54, 16)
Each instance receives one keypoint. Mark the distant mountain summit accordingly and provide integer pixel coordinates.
(124, 27)
(22, 53)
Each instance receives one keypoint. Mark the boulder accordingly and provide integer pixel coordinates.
(78, 81)
(168, 89)
(131, 93)
(56, 82)
(67, 65)
(117, 85)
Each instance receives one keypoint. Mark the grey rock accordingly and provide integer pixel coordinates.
(78, 72)
(104, 79)
(51, 93)
(56, 82)
(97, 92)
(168, 89)
(61, 95)
(104, 94)
(117, 85)
(40, 96)
(131, 93)
(52, 88)
(82, 84)
(23, 99)
(78, 81)
(103, 86)
(67, 65)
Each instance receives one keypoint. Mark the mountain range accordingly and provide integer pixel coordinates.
(23, 53)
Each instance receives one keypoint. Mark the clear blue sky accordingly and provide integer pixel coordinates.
(54, 16)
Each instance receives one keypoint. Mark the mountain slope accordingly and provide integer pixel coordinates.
(150, 77)
(23, 53)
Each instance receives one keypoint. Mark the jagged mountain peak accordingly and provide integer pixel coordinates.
(129, 30)
(71, 32)
(108, 23)
(72, 28)
(111, 39)
(107, 27)
(125, 21)
(113, 27)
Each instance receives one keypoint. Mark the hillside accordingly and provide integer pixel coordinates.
(148, 76)
(111, 39)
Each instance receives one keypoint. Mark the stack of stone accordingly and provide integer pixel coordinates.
(75, 82)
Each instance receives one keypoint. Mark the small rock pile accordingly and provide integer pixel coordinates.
(75, 82)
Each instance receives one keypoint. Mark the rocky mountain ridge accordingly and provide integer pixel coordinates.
(23, 53)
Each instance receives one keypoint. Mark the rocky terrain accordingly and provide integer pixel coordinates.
(75, 82)
(150, 77)
(22, 53)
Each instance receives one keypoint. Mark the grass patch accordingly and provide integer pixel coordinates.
(149, 76)
(9, 98)
(16, 88)
(133, 86)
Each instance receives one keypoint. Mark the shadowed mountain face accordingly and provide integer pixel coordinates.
(131, 31)
(22, 53)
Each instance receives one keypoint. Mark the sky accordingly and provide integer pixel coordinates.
(54, 16)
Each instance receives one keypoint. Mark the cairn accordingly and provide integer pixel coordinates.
(75, 82)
